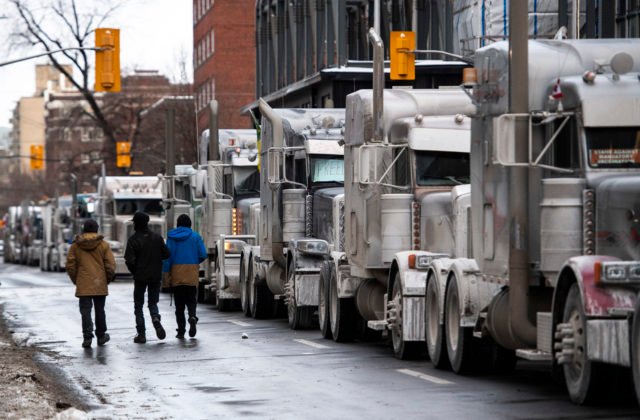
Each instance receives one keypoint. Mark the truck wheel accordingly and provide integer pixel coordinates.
(462, 348)
(585, 379)
(326, 271)
(300, 317)
(635, 350)
(342, 314)
(403, 350)
(260, 298)
(244, 291)
(436, 346)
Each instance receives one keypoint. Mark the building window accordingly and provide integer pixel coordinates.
(67, 134)
(628, 19)
(96, 156)
(85, 158)
(85, 135)
(213, 48)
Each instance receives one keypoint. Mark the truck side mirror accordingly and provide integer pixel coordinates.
(274, 166)
(504, 132)
(365, 160)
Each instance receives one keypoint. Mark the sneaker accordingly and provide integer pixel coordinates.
(103, 340)
(180, 335)
(160, 332)
(140, 339)
(192, 326)
(86, 343)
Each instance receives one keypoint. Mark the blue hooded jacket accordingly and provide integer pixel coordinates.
(187, 251)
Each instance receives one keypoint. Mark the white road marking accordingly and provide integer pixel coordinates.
(425, 377)
(240, 323)
(312, 344)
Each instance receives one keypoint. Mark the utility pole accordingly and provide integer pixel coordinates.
(519, 179)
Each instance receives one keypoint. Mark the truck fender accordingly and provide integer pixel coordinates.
(413, 281)
(474, 293)
(598, 300)
(347, 285)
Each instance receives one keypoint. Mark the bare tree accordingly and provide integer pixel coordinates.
(62, 24)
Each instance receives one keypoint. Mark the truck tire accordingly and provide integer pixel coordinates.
(635, 350)
(260, 298)
(462, 347)
(436, 346)
(342, 314)
(300, 317)
(402, 349)
(585, 380)
(244, 291)
(326, 272)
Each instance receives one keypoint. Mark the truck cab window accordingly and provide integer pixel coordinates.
(565, 152)
(613, 147)
(441, 168)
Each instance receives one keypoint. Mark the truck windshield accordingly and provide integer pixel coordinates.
(441, 168)
(152, 207)
(246, 181)
(326, 169)
(613, 147)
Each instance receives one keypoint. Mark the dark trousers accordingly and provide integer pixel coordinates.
(185, 296)
(139, 288)
(86, 303)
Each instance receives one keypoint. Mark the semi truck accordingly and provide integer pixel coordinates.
(553, 254)
(62, 220)
(119, 197)
(216, 195)
(403, 146)
(301, 156)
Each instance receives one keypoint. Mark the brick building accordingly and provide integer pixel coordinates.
(224, 59)
(75, 143)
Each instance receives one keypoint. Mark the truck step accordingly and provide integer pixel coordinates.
(535, 355)
(377, 325)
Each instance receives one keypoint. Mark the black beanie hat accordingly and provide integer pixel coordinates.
(184, 221)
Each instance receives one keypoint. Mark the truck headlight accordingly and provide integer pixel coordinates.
(620, 272)
(423, 261)
(313, 246)
(233, 246)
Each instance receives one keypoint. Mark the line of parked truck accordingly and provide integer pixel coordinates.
(472, 225)
(462, 224)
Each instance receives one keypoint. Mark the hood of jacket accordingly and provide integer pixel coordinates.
(88, 241)
(180, 233)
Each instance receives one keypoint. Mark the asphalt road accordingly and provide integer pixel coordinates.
(275, 373)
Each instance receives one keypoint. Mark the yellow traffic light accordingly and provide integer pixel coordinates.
(107, 60)
(403, 61)
(37, 156)
(123, 157)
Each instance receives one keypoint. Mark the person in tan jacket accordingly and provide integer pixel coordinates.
(91, 267)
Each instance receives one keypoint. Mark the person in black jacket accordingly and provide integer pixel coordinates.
(143, 256)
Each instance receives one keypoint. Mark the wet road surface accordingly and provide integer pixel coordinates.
(275, 373)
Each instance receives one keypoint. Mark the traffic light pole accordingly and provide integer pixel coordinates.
(18, 60)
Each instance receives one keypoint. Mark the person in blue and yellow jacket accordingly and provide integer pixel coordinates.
(187, 251)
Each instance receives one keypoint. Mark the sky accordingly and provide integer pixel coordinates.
(154, 35)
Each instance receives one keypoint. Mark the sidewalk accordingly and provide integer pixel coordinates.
(28, 392)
